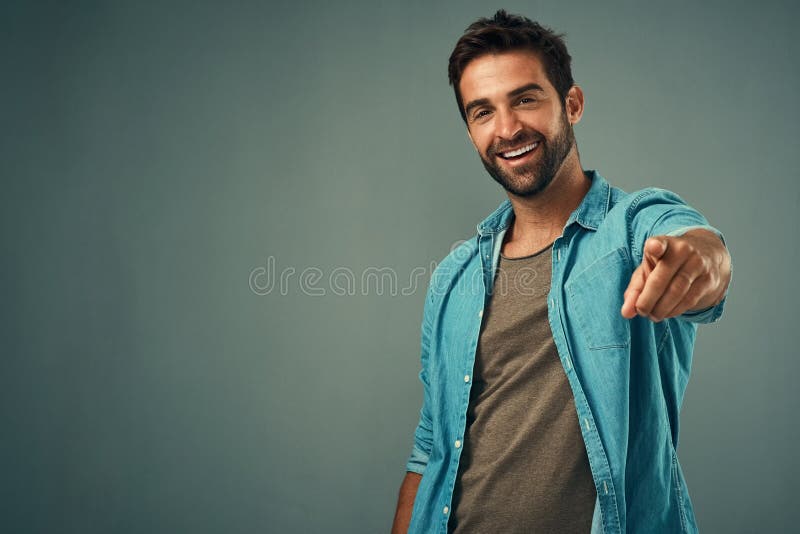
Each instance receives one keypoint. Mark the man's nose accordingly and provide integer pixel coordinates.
(508, 124)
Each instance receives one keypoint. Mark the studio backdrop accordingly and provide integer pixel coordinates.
(218, 221)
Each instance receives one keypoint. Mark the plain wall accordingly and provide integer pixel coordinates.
(153, 157)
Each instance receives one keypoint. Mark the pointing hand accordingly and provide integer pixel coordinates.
(678, 274)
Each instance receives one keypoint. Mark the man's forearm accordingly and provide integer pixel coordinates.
(405, 503)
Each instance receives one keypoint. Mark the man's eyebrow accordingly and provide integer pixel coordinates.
(518, 91)
(526, 88)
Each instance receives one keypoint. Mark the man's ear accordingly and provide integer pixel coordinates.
(574, 104)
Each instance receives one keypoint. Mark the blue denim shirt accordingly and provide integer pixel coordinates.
(628, 376)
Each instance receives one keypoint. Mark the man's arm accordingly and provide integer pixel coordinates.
(405, 503)
(678, 274)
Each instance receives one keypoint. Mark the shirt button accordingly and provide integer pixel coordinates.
(445, 510)
(466, 378)
(480, 313)
(458, 444)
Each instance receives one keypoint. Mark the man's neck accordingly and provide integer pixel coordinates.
(540, 219)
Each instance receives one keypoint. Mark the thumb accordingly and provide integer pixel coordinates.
(654, 249)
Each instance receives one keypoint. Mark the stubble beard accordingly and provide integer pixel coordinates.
(531, 179)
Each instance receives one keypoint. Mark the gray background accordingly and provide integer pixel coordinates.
(153, 157)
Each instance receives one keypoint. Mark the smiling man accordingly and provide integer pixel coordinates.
(551, 400)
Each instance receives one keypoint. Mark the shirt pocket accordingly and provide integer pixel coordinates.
(595, 296)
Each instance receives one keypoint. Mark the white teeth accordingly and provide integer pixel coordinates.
(519, 151)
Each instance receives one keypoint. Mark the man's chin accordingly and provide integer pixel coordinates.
(526, 192)
(523, 188)
(525, 184)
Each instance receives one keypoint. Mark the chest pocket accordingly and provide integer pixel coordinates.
(595, 297)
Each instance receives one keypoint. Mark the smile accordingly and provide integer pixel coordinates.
(519, 151)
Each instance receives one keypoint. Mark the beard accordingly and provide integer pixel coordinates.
(532, 178)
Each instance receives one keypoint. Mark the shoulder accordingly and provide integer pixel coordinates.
(633, 202)
(653, 211)
(460, 253)
(645, 208)
(453, 264)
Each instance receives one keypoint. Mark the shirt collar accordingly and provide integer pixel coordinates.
(589, 214)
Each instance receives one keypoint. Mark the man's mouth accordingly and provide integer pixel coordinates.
(518, 153)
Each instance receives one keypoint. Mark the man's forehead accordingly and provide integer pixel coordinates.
(502, 71)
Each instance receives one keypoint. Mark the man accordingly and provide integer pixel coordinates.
(551, 400)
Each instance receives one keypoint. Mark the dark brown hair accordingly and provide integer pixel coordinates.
(504, 33)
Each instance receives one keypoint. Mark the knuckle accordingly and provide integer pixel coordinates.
(658, 278)
(674, 292)
(685, 247)
(681, 283)
(694, 299)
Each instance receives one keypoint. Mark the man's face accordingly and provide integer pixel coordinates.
(516, 120)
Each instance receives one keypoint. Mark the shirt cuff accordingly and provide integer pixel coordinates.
(683, 229)
(417, 461)
(707, 315)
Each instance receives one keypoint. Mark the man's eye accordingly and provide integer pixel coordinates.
(527, 100)
(481, 114)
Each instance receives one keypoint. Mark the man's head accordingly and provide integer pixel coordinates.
(515, 92)
(506, 33)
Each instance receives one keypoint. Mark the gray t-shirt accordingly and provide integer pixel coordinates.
(524, 466)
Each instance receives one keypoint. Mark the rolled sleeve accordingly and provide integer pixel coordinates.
(423, 435)
(711, 314)
(683, 229)
(417, 462)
